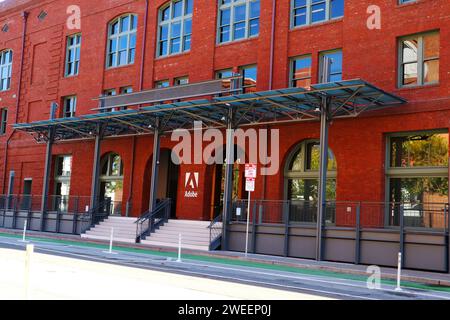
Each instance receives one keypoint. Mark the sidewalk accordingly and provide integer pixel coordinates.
(441, 280)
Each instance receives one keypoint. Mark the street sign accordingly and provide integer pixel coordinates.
(250, 184)
(250, 170)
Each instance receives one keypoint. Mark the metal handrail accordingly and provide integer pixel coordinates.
(214, 231)
(163, 207)
(89, 215)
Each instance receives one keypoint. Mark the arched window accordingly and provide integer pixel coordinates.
(175, 27)
(302, 181)
(122, 41)
(5, 69)
(238, 19)
(111, 182)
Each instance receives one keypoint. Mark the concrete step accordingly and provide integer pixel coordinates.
(108, 227)
(179, 229)
(169, 245)
(189, 222)
(184, 235)
(117, 233)
(97, 237)
(175, 240)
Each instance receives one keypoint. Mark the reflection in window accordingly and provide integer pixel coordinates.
(63, 172)
(419, 56)
(419, 150)
(175, 27)
(301, 72)
(122, 41)
(306, 12)
(238, 19)
(302, 182)
(6, 57)
(111, 183)
(335, 73)
(418, 178)
(249, 78)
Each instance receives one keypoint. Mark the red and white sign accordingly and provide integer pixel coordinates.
(250, 170)
(250, 184)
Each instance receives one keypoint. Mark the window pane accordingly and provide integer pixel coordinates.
(254, 9)
(431, 45)
(337, 8)
(165, 15)
(164, 32)
(225, 17)
(420, 150)
(125, 24)
(177, 9)
(239, 30)
(254, 27)
(410, 74)
(239, 13)
(189, 6)
(176, 30)
(318, 10)
(307, 189)
(302, 68)
(224, 34)
(187, 26)
(300, 16)
(410, 49)
(431, 71)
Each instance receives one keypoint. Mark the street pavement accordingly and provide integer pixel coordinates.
(285, 284)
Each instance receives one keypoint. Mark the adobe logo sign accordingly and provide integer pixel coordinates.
(191, 185)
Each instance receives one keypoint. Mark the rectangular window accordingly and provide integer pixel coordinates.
(5, 69)
(4, 121)
(418, 178)
(306, 12)
(335, 67)
(301, 72)
(238, 19)
(419, 59)
(63, 171)
(70, 106)
(181, 80)
(73, 55)
(249, 78)
(162, 84)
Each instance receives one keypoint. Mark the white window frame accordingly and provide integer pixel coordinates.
(308, 6)
(230, 6)
(5, 67)
(73, 106)
(169, 23)
(74, 51)
(128, 33)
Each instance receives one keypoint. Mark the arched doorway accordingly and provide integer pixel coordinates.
(218, 181)
(301, 177)
(168, 174)
(111, 182)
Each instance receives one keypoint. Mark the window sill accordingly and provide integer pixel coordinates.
(316, 24)
(174, 55)
(119, 67)
(402, 5)
(70, 77)
(230, 43)
(418, 87)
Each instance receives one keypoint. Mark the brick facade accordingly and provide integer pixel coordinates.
(359, 144)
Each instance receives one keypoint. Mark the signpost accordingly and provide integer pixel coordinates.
(250, 178)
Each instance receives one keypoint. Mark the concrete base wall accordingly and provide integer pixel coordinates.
(423, 250)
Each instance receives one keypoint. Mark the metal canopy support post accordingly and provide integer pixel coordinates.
(46, 181)
(12, 174)
(96, 166)
(322, 202)
(155, 166)
(228, 190)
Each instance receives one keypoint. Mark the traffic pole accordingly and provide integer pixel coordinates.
(399, 272)
(24, 232)
(248, 224)
(179, 248)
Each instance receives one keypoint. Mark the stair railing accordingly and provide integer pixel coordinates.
(151, 220)
(215, 232)
(95, 215)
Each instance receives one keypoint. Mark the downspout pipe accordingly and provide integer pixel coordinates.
(141, 85)
(272, 44)
(19, 92)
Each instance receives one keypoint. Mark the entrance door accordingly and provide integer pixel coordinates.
(26, 195)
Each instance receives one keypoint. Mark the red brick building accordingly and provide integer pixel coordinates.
(284, 40)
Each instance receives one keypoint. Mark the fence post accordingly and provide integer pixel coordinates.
(286, 227)
(254, 227)
(14, 216)
(58, 213)
(402, 234)
(358, 234)
(447, 226)
(75, 216)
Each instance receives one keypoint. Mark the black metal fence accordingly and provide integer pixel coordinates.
(345, 214)
(63, 214)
